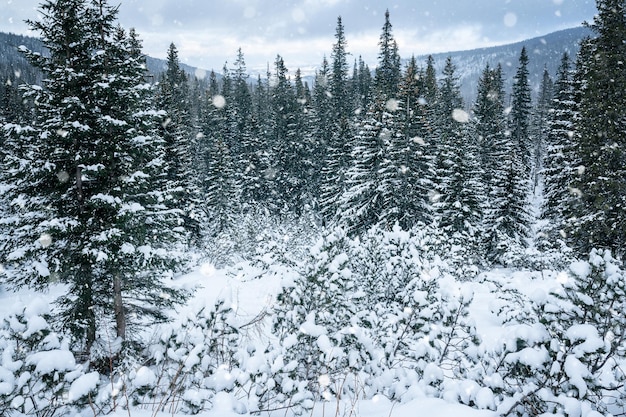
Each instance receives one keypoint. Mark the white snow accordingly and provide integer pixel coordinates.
(251, 291)
(144, 377)
(83, 385)
(52, 361)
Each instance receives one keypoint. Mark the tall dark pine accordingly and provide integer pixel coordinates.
(362, 87)
(558, 165)
(288, 170)
(601, 134)
(372, 194)
(506, 222)
(334, 109)
(88, 208)
(180, 143)
(521, 107)
(416, 152)
(388, 72)
(539, 128)
(457, 205)
(339, 85)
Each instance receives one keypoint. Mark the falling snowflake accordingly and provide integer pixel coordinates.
(45, 240)
(510, 19)
(200, 74)
(392, 104)
(219, 101)
(63, 176)
(324, 380)
(460, 115)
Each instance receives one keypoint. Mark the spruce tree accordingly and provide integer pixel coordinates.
(88, 208)
(388, 72)
(506, 221)
(336, 137)
(372, 192)
(539, 127)
(361, 86)
(598, 218)
(287, 144)
(416, 158)
(180, 143)
(457, 206)
(558, 165)
(338, 87)
(521, 107)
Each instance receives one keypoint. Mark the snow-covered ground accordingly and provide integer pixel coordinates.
(251, 292)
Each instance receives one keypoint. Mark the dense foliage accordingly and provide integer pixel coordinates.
(110, 174)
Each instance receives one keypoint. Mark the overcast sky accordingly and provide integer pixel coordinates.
(208, 33)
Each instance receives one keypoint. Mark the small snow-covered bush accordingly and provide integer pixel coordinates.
(39, 375)
(368, 316)
(317, 319)
(193, 359)
(567, 354)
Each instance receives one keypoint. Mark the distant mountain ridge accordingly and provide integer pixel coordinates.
(544, 52)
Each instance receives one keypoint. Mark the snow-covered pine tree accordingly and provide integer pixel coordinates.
(362, 87)
(505, 217)
(416, 154)
(337, 135)
(521, 108)
(87, 206)
(558, 165)
(458, 187)
(388, 72)
(373, 182)
(178, 132)
(601, 134)
(287, 144)
(338, 83)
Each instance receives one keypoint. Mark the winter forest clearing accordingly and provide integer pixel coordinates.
(368, 245)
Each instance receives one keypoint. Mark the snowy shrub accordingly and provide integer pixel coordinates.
(39, 375)
(317, 321)
(568, 354)
(193, 359)
(260, 236)
(368, 316)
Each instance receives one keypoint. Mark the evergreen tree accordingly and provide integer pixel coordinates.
(457, 207)
(338, 87)
(430, 83)
(388, 72)
(599, 219)
(490, 122)
(336, 140)
(372, 182)
(540, 116)
(287, 144)
(505, 217)
(558, 162)
(180, 147)
(521, 107)
(416, 162)
(367, 201)
(87, 206)
(363, 88)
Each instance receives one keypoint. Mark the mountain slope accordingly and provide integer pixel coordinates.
(544, 52)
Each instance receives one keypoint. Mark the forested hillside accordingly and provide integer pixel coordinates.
(376, 199)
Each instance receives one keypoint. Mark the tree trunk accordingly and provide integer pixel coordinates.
(120, 317)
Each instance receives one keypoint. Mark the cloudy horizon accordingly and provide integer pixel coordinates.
(207, 34)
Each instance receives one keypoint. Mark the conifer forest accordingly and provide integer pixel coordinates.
(364, 242)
